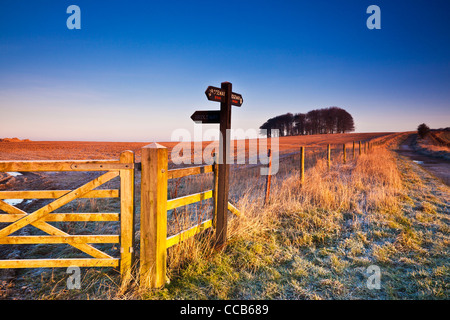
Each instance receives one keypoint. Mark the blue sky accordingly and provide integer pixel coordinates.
(137, 70)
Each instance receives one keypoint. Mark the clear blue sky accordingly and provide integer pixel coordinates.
(137, 70)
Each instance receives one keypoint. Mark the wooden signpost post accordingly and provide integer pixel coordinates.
(227, 98)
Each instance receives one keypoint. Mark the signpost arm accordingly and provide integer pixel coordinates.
(223, 179)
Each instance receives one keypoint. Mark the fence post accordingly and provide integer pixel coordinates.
(360, 148)
(353, 154)
(216, 187)
(126, 215)
(328, 156)
(302, 164)
(344, 153)
(269, 177)
(153, 215)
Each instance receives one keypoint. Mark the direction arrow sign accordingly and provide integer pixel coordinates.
(217, 94)
(236, 99)
(207, 116)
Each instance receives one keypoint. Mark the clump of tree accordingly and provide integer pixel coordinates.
(319, 121)
(423, 130)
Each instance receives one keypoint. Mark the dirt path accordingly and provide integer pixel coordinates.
(440, 168)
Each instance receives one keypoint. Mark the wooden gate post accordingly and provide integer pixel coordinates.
(153, 215)
(126, 215)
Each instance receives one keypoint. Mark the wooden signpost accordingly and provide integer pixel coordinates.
(227, 98)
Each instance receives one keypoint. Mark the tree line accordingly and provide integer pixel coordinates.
(318, 121)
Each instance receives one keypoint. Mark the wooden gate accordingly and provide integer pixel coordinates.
(17, 218)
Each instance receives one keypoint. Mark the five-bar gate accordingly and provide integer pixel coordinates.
(40, 218)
